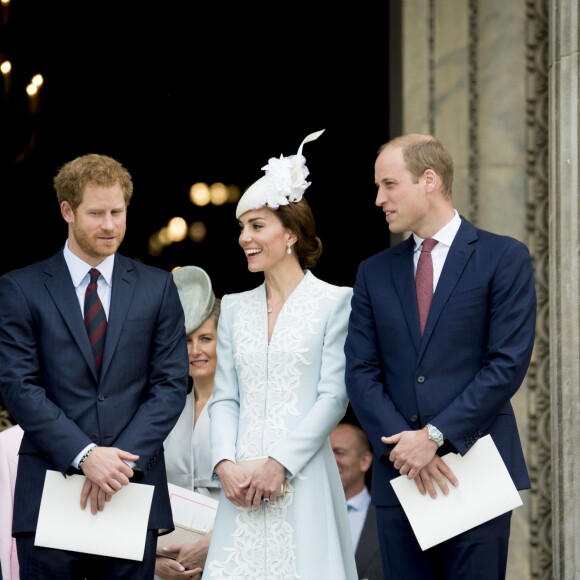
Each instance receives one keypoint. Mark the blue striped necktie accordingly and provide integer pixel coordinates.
(95, 319)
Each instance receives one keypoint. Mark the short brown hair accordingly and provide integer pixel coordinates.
(91, 169)
(422, 152)
(297, 216)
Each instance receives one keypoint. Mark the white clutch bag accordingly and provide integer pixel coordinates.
(254, 462)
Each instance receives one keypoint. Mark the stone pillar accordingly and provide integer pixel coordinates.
(565, 286)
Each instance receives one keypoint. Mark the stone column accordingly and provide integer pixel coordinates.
(565, 286)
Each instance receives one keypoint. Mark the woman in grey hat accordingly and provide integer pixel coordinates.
(187, 449)
(279, 391)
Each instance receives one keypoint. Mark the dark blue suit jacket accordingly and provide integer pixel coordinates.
(49, 383)
(472, 359)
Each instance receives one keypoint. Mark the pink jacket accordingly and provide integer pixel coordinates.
(9, 444)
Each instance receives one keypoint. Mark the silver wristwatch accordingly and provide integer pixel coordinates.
(434, 434)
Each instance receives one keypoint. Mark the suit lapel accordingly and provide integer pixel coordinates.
(403, 275)
(61, 289)
(121, 295)
(459, 253)
(368, 543)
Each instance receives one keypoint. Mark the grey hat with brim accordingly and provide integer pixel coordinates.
(196, 295)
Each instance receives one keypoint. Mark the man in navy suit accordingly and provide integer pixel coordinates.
(108, 425)
(354, 458)
(420, 396)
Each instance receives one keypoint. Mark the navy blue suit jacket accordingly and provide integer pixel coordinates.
(472, 359)
(49, 383)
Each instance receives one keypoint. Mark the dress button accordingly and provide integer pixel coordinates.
(421, 379)
(414, 419)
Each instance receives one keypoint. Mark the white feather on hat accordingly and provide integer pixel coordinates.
(285, 181)
(196, 295)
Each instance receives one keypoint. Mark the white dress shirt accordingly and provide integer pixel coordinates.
(445, 237)
(79, 272)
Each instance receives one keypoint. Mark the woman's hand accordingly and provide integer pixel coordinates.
(234, 480)
(193, 555)
(168, 569)
(265, 483)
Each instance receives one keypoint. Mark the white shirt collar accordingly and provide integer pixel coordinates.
(79, 268)
(445, 235)
(361, 500)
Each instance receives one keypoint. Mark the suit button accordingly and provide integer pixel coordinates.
(94, 438)
(420, 379)
(101, 398)
(414, 418)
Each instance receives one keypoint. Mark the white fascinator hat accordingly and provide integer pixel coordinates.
(284, 181)
(196, 295)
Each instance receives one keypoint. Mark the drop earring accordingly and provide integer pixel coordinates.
(288, 249)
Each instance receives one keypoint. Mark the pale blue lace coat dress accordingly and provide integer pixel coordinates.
(282, 399)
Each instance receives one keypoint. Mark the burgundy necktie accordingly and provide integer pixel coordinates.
(95, 319)
(424, 281)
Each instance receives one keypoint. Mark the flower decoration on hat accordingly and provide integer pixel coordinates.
(284, 181)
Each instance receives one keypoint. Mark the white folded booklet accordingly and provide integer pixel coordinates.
(485, 491)
(193, 516)
(118, 531)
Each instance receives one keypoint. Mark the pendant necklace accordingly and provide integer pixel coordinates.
(270, 309)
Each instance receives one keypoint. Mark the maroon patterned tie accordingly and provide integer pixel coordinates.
(424, 281)
(95, 319)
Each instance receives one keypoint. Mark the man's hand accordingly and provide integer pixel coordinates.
(414, 455)
(412, 451)
(97, 495)
(439, 471)
(106, 473)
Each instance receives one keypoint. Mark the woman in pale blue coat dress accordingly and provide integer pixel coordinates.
(279, 391)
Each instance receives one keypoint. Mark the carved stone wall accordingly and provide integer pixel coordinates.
(539, 455)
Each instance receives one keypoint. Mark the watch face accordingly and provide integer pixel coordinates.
(435, 434)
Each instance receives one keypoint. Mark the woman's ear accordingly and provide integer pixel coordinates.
(292, 238)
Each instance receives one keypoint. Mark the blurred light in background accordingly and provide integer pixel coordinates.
(201, 195)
